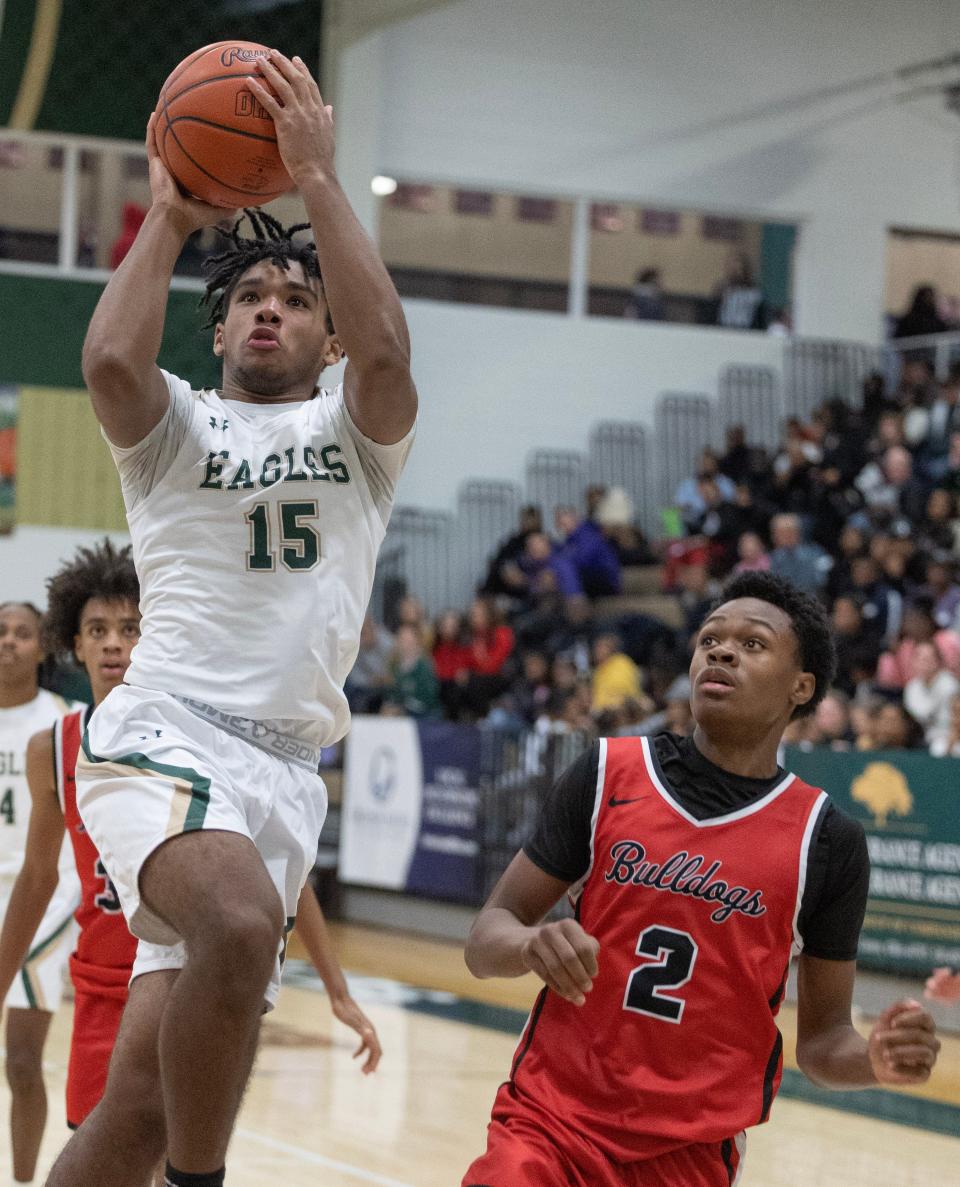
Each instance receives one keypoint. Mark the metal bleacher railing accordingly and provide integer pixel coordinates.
(750, 396)
(942, 350)
(683, 428)
(816, 370)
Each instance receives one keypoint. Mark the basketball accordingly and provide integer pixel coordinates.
(212, 134)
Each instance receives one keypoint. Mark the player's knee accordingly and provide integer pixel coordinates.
(24, 1068)
(242, 947)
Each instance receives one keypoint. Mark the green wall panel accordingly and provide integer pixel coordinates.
(111, 58)
(51, 317)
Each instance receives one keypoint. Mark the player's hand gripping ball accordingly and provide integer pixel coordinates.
(213, 135)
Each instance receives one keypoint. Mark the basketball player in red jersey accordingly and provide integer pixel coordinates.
(94, 614)
(696, 865)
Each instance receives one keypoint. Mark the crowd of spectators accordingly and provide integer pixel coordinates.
(860, 507)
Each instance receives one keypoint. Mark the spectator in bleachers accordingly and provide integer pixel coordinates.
(696, 595)
(882, 605)
(542, 570)
(943, 591)
(806, 565)
(410, 612)
(719, 525)
(592, 556)
(370, 674)
(740, 303)
(689, 499)
(891, 728)
(646, 297)
(895, 666)
(891, 487)
(530, 693)
(928, 430)
(831, 723)
(951, 480)
(929, 692)
(753, 557)
(414, 689)
(793, 472)
(753, 509)
(615, 676)
(940, 528)
(737, 461)
(851, 543)
(675, 716)
(613, 513)
(573, 631)
(922, 317)
(451, 659)
(490, 643)
(501, 575)
(949, 746)
(858, 644)
(832, 503)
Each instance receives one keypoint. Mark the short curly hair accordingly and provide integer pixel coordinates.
(102, 571)
(818, 655)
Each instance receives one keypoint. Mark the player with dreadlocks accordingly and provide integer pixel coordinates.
(256, 512)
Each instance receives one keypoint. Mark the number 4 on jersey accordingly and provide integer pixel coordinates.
(673, 955)
(6, 807)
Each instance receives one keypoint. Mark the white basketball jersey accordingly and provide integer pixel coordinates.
(255, 535)
(17, 727)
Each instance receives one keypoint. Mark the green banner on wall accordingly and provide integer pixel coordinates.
(909, 806)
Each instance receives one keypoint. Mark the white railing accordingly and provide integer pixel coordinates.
(940, 349)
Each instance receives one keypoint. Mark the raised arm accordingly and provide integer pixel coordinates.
(366, 311)
(38, 877)
(311, 927)
(508, 939)
(901, 1049)
(123, 340)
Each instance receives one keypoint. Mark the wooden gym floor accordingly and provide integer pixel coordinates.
(311, 1119)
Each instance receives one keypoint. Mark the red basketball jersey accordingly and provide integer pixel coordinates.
(677, 1041)
(105, 950)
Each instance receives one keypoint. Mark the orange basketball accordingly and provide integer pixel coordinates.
(214, 137)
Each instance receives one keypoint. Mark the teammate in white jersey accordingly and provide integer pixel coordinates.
(35, 994)
(256, 513)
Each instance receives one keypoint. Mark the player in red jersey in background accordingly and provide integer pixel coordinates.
(94, 615)
(697, 866)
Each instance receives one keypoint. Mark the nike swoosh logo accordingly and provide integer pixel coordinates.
(613, 802)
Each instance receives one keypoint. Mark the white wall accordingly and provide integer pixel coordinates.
(718, 106)
(495, 384)
(32, 554)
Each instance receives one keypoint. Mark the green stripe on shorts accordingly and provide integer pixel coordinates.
(199, 784)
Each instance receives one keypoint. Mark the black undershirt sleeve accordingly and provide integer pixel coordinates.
(835, 896)
(560, 844)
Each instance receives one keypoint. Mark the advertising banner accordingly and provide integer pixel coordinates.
(908, 805)
(410, 807)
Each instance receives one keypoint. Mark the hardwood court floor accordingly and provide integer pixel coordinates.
(311, 1119)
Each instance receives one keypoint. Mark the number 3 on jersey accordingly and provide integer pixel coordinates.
(672, 956)
(299, 542)
(107, 900)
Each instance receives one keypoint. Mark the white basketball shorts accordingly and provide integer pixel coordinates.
(151, 769)
(40, 982)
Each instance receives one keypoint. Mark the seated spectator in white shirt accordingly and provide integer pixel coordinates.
(929, 693)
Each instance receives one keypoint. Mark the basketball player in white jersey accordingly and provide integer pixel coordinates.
(35, 993)
(256, 513)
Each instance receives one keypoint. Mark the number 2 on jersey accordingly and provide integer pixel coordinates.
(673, 955)
(299, 542)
